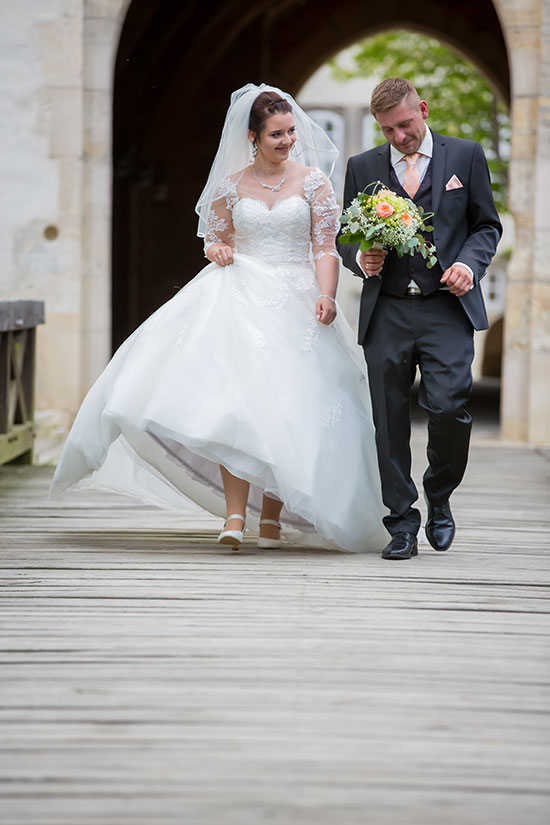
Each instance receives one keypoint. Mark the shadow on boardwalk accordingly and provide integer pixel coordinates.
(150, 676)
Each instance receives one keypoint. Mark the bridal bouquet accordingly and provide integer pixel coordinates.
(383, 219)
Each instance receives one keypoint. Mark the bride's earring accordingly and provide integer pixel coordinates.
(254, 150)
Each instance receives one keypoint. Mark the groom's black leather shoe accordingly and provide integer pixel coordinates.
(402, 546)
(440, 526)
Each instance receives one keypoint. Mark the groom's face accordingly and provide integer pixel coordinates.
(403, 126)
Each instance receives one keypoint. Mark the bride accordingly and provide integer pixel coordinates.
(246, 392)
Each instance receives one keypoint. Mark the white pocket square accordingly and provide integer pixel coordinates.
(453, 183)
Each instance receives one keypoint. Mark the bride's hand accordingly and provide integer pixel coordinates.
(220, 253)
(325, 310)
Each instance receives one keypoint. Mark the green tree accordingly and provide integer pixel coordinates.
(461, 101)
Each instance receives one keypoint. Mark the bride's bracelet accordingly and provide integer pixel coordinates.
(329, 297)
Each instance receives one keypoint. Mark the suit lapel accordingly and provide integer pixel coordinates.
(439, 163)
(382, 164)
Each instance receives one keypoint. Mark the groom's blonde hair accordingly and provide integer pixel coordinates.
(391, 92)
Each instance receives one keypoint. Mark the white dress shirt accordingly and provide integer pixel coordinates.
(399, 164)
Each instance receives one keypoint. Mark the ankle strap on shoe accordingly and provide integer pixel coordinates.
(270, 521)
(235, 515)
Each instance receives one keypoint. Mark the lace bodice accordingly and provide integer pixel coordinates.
(279, 234)
(292, 225)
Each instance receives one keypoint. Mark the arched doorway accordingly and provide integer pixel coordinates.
(175, 70)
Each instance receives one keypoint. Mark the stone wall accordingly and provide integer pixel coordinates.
(101, 30)
(56, 76)
(41, 150)
(526, 388)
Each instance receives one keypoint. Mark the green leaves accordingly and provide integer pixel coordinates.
(365, 245)
(348, 237)
(418, 244)
(461, 102)
(373, 230)
(423, 251)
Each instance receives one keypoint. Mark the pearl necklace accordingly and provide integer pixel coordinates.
(267, 185)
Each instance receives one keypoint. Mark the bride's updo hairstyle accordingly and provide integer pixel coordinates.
(264, 106)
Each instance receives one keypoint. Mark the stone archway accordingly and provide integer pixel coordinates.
(173, 77)
(236, 28)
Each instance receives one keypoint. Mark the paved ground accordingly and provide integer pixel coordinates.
(149, 676)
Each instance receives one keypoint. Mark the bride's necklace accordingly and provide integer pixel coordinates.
(267, 185)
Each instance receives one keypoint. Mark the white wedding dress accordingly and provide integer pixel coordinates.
(236, 370)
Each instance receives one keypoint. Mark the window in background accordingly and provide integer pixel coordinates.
(334, 125)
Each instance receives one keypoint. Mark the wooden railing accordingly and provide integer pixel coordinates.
(18, 322)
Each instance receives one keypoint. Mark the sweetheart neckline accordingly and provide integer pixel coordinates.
(277, 203)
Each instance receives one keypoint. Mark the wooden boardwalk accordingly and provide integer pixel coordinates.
(149, 676)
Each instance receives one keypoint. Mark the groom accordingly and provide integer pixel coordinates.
(413, 317)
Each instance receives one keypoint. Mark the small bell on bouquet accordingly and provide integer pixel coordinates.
(383, 220)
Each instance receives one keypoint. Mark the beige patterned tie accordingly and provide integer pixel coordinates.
(411, 181)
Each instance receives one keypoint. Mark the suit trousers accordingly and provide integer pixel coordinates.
(434, 334)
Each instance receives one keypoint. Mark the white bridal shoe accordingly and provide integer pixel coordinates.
(232, 537)
(269, 544)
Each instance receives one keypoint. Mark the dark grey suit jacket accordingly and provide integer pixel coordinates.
(466, 223)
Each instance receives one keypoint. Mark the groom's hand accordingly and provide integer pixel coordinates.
(371, 262)
(458, 279)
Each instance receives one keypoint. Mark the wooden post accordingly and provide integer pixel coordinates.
(18, 321)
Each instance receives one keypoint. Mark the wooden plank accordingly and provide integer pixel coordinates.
(18, 357)
(148, 675)
(27, 374)
(17, 365)
(17, 442)
(5, 371)
(20, 314)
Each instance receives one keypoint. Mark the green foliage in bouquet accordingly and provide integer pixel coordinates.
(383, 219)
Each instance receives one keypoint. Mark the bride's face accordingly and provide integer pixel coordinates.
(276, 138)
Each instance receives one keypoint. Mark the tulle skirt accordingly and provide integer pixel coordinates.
(236, 370)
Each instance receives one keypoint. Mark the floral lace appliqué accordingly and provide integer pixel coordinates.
(333, 416)
(312, 182)
(311, 335)
(280, 236)
(305, 278)
(259, 339)
(228, 190)
(214, 227)
(327, 208)
(279, 298)
(326, 212)
(322, 254)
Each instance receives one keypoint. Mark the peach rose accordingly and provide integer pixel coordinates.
(384, 209)
(406, 219)
(386, 193)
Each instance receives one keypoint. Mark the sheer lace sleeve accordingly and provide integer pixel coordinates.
(324, 214)
(219, 228)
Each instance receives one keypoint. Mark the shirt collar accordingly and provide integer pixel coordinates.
(425, 148)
